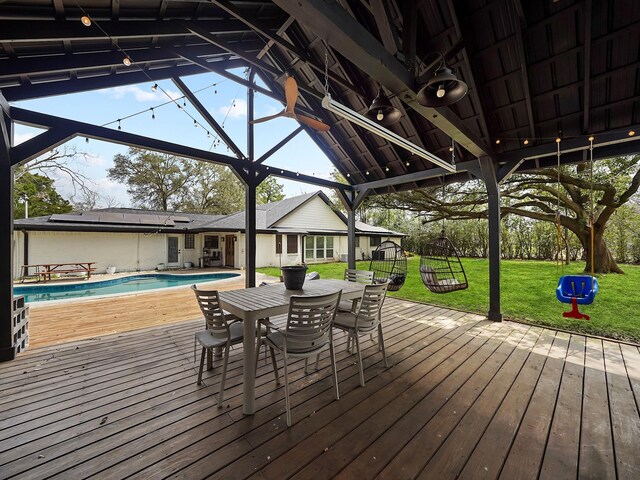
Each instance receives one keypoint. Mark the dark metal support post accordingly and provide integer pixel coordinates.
(7, 348)
(250, 197)
(351, 236)
(493, 192)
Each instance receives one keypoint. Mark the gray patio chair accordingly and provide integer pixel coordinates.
(353, 275)
(307, 333)
(365, 320)
(222, 331)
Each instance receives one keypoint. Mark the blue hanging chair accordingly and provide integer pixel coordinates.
(577, 290)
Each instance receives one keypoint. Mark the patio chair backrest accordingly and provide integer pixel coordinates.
(360, 276)
(310, 320)
(213, 315)
(368, 312)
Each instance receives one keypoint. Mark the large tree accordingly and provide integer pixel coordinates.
(569, 197)
(269, 191)
(213, 189)
(39, 193)
(154, 180)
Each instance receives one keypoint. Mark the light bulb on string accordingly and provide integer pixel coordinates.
(195, 124)
(154, 87)
(632, 133)
(86, 21)
(119, 126)
(127, 61)
(153, 114)
(526, 141)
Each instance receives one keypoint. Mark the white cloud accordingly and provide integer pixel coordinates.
(141, 94)
(18, 138)
(236, 109)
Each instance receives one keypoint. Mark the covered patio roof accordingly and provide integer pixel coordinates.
(535, 71)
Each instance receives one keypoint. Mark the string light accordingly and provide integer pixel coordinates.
(195, 124)
(386, 169)
(592, 138)
(632, 133)
(558, 140)
(119, 126)
(497, 141)
(127, 61)
(526, 141)
(154, 87)
(153, 114)
(86, 21)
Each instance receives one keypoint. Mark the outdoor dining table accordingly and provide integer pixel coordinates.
(252, 304)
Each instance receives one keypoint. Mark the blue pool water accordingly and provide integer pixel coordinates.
(134, 283)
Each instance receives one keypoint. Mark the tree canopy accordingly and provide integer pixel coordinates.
(41, 195)
(570, 197)
(166, 182)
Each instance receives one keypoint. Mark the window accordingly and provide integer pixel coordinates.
(211, 241)
(357, 241)
(308, 248)
(292, 244)
(318, 248)
(189, 241)
(278, 243)
(375, 241)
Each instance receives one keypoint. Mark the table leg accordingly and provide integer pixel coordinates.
(248, 369)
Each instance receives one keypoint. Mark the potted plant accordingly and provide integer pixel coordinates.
(293, 276)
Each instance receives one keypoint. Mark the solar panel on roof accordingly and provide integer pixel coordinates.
(65, 217)
(181, 219)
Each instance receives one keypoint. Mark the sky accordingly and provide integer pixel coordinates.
(224, 99)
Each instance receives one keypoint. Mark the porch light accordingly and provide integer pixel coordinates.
(382, 111)
(443, 89)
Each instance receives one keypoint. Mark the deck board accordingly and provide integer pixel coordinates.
(464, 398)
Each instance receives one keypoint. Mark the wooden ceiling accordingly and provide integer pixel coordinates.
(536, 70)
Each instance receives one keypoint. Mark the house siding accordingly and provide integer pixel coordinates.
(312, 215)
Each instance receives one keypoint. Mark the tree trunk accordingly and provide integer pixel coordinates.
(603, 260)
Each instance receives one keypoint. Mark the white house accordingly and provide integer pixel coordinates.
(295, 230)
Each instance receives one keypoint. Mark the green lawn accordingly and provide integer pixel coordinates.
(528, 294)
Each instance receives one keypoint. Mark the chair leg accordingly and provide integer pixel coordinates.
(306, 365)
(224, 375)
(275, 365)
(381, 341)
(209, 359)
(357, 342)
(335, 370)
(201, 365)
(286, 391)
(318, 360)
(348, 332)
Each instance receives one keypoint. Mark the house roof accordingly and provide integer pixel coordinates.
(138, 220)
(535, 71)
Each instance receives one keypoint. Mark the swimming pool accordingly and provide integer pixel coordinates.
(133, 283)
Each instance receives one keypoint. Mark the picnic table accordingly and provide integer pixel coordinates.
(43, 271)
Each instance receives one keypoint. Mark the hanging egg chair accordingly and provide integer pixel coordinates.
(389, 264)
(440, 267)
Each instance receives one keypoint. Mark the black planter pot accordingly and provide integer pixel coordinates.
(294, 276)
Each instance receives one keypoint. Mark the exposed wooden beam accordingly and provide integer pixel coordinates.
(279, 145)
(257, 26)
(36, 146)
(81, 62)
(26, 91)
(413, 177)
(586, 104)
(471, 82)
(346, 35)
(518, 23)
(208, 118)
(382, 17)
(17, 31)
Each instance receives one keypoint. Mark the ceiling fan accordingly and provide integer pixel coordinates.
(291, 94)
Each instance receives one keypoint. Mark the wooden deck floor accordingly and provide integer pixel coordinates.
(465, 398)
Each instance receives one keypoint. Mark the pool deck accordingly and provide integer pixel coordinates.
(57, 322)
